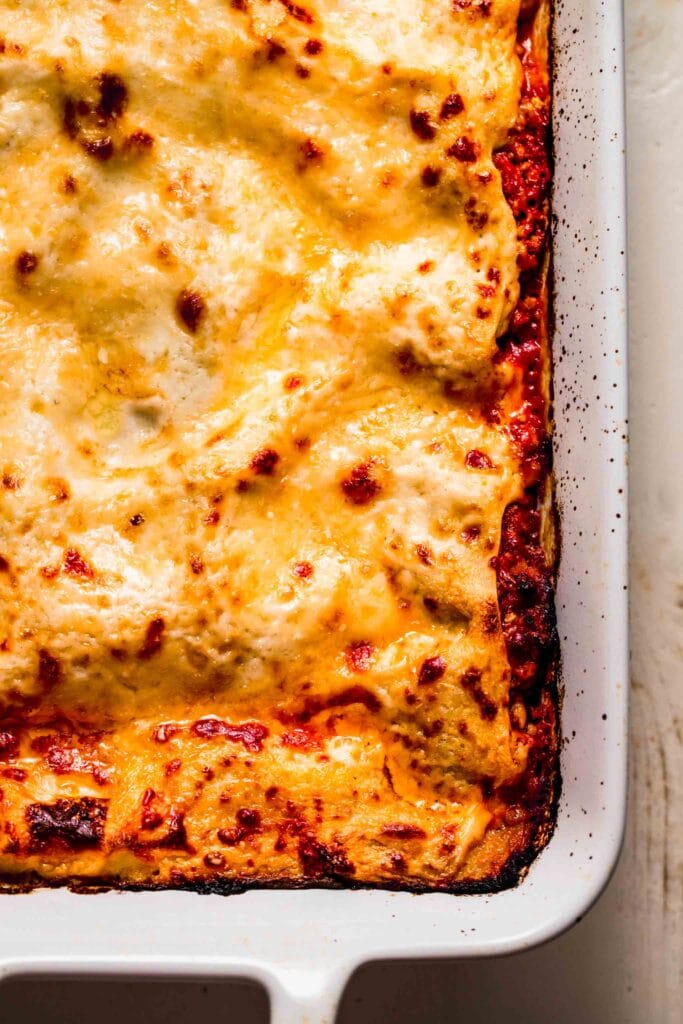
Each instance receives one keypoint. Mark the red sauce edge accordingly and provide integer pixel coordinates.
(524, 577)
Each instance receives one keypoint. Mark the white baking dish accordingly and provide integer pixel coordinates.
(304, 945)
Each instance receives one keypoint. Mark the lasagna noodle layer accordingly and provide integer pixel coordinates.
(257, 268)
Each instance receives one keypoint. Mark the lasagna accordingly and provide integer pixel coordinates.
(276, 530)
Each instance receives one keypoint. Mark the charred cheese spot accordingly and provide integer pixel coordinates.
(463, 149)
(311, 151)
(422, 125)
(74, 824)
(359, 656)
(190, 307)
(451, 106)
(154, 638)
(264, 463)
(76, 565)
(26, 263)
(361, 485)
(430, 176)
(431, 670)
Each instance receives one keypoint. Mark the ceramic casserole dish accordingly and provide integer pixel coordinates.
(303, 945)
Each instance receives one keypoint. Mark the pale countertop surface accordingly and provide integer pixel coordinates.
(623, 964)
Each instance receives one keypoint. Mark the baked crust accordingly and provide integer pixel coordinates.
(275, 573)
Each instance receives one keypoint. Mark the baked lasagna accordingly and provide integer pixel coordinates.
(276, 532)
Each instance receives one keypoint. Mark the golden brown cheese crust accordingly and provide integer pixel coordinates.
(260, 426)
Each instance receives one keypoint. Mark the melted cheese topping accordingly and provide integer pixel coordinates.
(254, 260)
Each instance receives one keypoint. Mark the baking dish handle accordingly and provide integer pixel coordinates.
(306, 997)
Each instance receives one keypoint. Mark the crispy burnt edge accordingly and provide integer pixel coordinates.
(509, 876)
(530, 535)
(534, 655)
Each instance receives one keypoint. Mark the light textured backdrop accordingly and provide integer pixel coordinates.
(623, 964)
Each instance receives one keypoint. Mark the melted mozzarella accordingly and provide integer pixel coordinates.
(277, 255)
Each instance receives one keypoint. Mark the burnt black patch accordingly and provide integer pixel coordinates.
(113, 96)
(74, 824)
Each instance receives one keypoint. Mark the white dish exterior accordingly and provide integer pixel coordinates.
(303, 945)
